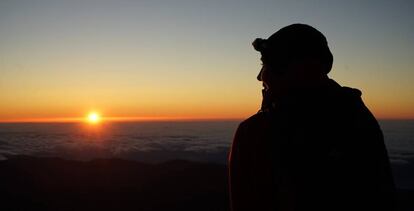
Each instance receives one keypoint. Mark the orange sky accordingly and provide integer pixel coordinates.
(187, 60)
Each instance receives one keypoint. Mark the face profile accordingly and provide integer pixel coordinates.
(295, 57)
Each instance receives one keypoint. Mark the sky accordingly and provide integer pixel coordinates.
(188, 58)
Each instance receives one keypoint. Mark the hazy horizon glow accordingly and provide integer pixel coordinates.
(185, 59)
(116, 119)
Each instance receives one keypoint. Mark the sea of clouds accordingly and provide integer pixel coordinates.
(145, 141)
(163, 141)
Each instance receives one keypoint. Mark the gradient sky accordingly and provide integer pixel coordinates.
(188, 59)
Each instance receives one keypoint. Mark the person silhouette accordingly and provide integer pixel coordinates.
(313, 145)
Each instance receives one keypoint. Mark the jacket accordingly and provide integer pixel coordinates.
(320, 149)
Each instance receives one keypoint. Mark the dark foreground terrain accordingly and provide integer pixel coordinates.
(29, 183)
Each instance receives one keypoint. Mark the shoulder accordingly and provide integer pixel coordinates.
(254, 121)
(249, 134)
(357, 110)
(253, 128)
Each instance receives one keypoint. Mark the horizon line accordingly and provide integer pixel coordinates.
(118, 119)
(145, 119)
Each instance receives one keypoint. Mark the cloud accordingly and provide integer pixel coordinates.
(124, 141)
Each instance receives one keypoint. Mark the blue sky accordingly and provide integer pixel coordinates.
(189, 58)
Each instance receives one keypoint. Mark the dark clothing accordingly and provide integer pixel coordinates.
(320, 149)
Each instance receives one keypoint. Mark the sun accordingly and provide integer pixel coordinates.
(93, 118)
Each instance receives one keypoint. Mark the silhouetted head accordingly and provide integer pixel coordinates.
(296, 55)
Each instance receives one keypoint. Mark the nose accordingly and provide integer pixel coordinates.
(259, 76)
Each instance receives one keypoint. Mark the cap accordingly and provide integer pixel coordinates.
(295, 42)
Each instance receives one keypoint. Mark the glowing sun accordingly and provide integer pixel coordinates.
(93, 118)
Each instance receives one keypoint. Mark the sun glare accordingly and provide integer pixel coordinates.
(93, 118)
